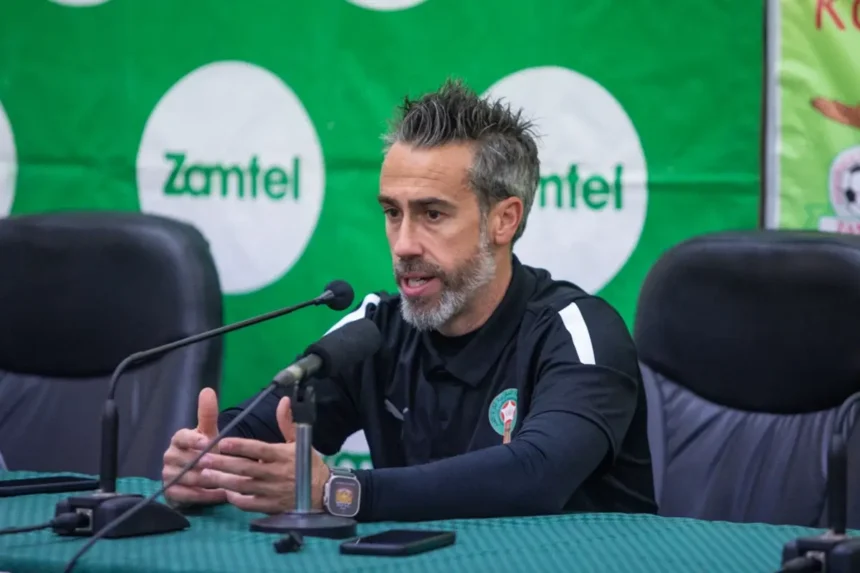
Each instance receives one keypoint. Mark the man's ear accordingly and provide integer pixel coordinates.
(505, 218)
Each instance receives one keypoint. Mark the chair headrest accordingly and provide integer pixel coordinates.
(81, 291)
(758, 320)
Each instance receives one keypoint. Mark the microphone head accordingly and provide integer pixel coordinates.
(338, 295)
(346, 346)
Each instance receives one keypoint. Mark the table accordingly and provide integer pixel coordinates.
(219, 541)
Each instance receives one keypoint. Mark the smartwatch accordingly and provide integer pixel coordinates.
(342, 494)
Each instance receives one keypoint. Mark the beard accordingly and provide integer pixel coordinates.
(458, 288)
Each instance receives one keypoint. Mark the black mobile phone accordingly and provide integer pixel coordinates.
(48, 484)
(398, 542)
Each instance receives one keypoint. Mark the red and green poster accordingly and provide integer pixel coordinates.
(813, 135)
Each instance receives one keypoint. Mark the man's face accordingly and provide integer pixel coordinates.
(439, 244)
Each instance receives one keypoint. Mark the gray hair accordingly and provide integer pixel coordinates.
(506, 159)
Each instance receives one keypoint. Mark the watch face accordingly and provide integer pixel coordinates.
(343, 496)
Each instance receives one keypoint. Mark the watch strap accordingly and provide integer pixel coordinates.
(341, 472)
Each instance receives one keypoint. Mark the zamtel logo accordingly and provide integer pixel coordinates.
(246, 182)
(574, 191)
(591, 202)
(230, 149)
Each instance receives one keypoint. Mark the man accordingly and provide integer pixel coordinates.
(498, 391)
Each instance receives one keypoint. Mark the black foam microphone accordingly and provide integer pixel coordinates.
(106, 503)
(333, 353)
(340, 347)
(337, 351)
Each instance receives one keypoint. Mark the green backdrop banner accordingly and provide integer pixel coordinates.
(260, 121)
(813, 135)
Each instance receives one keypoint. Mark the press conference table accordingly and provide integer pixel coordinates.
(219, 540)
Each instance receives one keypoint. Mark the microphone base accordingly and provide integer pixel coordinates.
(103, 508)
(840, 553)
(313, 524)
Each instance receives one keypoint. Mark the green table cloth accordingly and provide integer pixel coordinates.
(219, 540)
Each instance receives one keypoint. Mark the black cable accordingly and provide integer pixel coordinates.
(188, 467)
(67, 521)
(802, 563)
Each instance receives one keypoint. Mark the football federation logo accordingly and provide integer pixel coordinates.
(503, 413)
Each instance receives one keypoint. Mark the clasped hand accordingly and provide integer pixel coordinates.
(250, 474)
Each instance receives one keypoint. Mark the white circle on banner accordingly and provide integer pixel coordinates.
(8, 165)
(844, 182)
(590, 207)
(231, 149)
(386, 5)
(79, 3)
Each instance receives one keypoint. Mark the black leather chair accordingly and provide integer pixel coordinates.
(78, 293)
(749, 344)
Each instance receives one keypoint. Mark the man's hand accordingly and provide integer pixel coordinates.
(837, 111)
(184, 447)
(260, 477)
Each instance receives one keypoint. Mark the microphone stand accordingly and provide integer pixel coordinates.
(303, 519)
(337, 350)
(832, 551)
(105, 505)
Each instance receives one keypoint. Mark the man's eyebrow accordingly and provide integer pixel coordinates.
(424, 202)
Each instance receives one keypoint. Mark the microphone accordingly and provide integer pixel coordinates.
(833, 551)
(318, 359)
(338, 295)
(105, 503)
(340, 347)
(333, 354)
